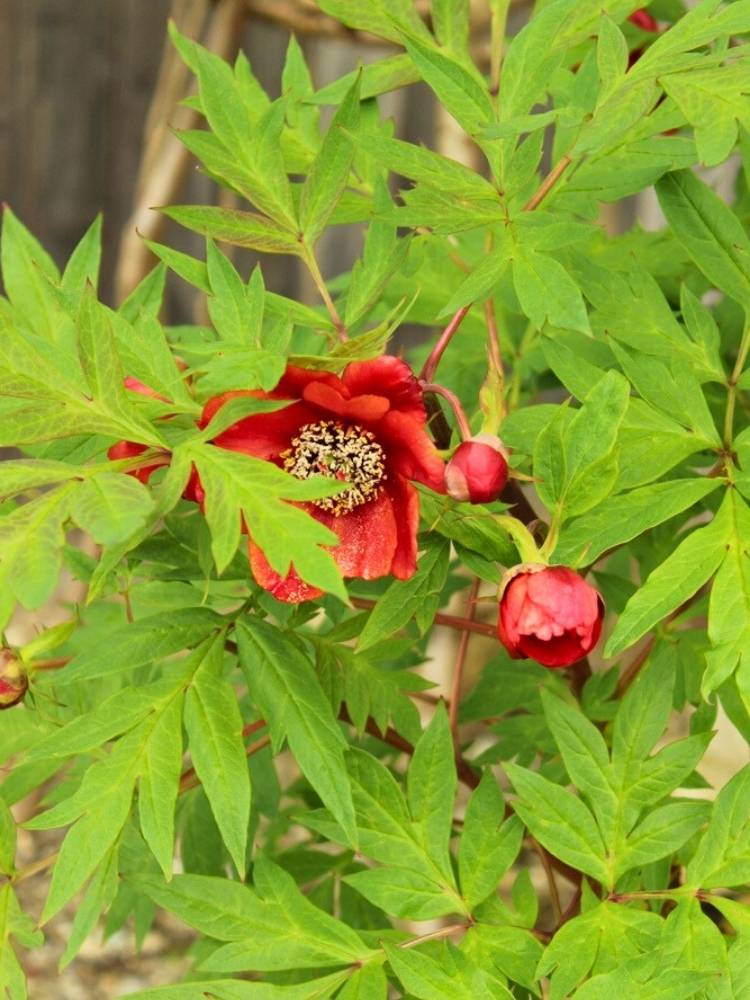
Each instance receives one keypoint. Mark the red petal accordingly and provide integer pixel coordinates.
(368, 537)
(366, 408)
(410, 450)
(290, 588)
(129, 449)
(294, 380)
(390, 377)
(562, 651)
(266, 435)
(405, 500)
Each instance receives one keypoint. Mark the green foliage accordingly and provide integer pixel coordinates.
(298, 782)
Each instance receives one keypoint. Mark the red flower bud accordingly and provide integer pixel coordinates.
(13, 680)
(549, 614)
(643, 20)
(478, 470)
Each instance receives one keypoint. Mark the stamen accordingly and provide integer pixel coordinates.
(348, 453)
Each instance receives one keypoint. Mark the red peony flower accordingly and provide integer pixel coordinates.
(477, 471)
(13, 680)
(368, 427)
(549, 614)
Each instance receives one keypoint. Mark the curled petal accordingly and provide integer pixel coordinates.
(390, 377)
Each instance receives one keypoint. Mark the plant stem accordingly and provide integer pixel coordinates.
(35, 867)
(554, 895)
(441, 932)
(450, 621)
(312, 265)
(493, 340)
(458, 669)
(430, 366)
(732, 381)
(455, 404)
(548, 183)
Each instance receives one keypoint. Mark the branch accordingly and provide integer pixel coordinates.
(450, 621)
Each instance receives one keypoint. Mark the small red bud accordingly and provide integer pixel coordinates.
(13, 680)
(477, 471)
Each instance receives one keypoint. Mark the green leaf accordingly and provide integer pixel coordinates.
(586, 759)
(559, 821)
(453, 975)
(432, 169)
(111, 506)
(385, 18)
(230, 306)
(272, 927)
(546, 291)
(288, 692)
(722, 857)
(461, 92)
(214, 727)
(159, 782)
(643, 714)
(660, 834)
(31, 540)
(233, 989)
(489, 843)
(451, 19)
(376, 78)
(431, 789)
(20, 475)
(7, 840)
(83, 266)
(367, 983)
(621, 518)
(709, 231)
(29, 277)
(99, 895)
(329, 173)
(682, 573)
(143, 641)
(418, 597)
(242, 229)
(238, 485)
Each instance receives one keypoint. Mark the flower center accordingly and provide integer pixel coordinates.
(350, 454)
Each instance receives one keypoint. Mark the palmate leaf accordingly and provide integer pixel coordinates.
(238, 486)
(489, 842)
(232, 989)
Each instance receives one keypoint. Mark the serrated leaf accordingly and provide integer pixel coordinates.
(242, 229)
(283, 681)
(489, 842)
(330, 170)
(214, 727)
(431, 789)
(709, 231)
(681, 574)
(111, 506)
(559, 821)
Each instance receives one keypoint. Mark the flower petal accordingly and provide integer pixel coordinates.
(289, 588)
(365, 408)
(266, 435)
(405, 500)
(368, 537)
(390, 377)
(410, 451)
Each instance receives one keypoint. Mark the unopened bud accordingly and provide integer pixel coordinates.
(13, 680)
(477, 471)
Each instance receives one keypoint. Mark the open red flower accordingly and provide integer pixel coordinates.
(368, 428)
(549, 614)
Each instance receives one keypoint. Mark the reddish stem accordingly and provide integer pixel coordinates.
(455, 404)
(450, 621)
(458, 670)
(430, 366)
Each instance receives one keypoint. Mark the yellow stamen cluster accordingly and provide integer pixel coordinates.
(348, 453)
